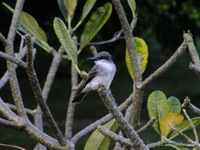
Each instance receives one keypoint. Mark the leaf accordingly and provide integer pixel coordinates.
(95, 23)
(98, 141)
(67, 8)
(29, 24)
(174, 105)
(86, 9)
(132, 5)
(142, 55)
(65, 39)
(159, 106)
(173, 118)
(185, 125)
(155, 107)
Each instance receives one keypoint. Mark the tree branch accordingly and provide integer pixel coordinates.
(192, 49)
(71, 106)
(13, 59)
(190, 106)
(125, 126)
(38, 93)
(165, 66)
(146, 126)
(101, 121)
(114, 136)
(5, 77)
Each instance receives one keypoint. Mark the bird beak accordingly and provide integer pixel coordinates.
(92, 59)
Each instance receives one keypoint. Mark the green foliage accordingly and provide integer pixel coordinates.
(28, 24)
(185, 125)
(132, 5)
(159, 106)
(97, 141)
(86, 9)
(142, 55)
(67, 8)
(95, 23)
(65, 40)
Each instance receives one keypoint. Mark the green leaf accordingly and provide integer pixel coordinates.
(65, 39)
(97, 141)
(174, 105)
(29, 24)
(67, 8)
(156, 108)
(132, 5)
(95, 23)
(86, 9)
(159, 106)
(185, 125)
(142, 55)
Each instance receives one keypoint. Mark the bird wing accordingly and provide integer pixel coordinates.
(91, 74)
(79, 97)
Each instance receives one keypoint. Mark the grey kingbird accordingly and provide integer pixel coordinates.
(102, 73)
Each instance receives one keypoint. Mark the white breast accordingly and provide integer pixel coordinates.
(106, 72)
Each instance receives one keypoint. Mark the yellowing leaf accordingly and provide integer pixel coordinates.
(142, 55)
(171, 118)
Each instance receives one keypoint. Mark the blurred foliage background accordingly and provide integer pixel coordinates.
(160, 23)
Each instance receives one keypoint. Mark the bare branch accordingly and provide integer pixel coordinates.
(192, 125)
(117, 36)
(5, 77)
(125, 126)
(155, 144)
(114, 136)
(9, 124)
(179, 132)
(38, 93)
(101, 121)
(165, 66)
(146, 126)
(192, 49)
(178, 144)
(190, 106)
(28, 111)
(71, 106)
(13, 59)
(13, 146)
(195, 68)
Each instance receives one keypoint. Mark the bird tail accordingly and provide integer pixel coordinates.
(78, 98)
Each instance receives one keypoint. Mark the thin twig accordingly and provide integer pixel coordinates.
(190, 106)
(117, 36)
(114, 136)
(155, 144)
(125, 126)
(28, 111)
(146, 126)
(182, 134)
(195, 68)
(178, 144)
(13, 146)
(5, 77)
(19, 62)
(38, 93)
(192, 125)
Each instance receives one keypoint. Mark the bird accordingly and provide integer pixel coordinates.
(102, 73)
